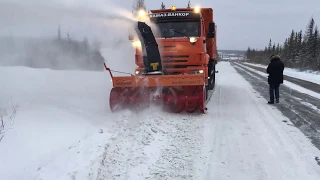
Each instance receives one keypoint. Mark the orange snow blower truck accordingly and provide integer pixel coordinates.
(175, 67)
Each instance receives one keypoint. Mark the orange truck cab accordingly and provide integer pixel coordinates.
(186, 40)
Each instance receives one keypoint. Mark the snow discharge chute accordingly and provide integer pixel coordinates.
(150, 50)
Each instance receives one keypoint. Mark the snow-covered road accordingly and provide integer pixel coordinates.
(241, 137)
(250, 139)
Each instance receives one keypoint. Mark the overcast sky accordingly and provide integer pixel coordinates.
(241, 23)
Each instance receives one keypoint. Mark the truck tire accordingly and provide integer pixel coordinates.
(212, 75)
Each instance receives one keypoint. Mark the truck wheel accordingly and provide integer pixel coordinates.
(212, 75)
(207, 88)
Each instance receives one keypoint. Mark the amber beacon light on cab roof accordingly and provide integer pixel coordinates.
(176, 58)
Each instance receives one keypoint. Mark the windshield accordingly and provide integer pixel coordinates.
(178, 29)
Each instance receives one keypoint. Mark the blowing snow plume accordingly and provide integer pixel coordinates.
(62, 35)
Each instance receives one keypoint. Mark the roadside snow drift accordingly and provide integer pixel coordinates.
(58, 115)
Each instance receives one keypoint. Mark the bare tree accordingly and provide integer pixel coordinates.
(189, 4)
(7, 119)
(139, 5)
(163, 6)
(68, 36)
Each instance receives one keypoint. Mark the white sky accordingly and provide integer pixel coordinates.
(241, 23)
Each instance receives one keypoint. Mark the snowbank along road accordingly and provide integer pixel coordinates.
(66, 131)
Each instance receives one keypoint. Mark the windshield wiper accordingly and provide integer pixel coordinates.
(183, 34)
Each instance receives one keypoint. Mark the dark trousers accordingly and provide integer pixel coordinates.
(274, 90)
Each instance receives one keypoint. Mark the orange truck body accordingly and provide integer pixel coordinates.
(176, 62)
(178, 55)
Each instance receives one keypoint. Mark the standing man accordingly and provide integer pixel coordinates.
(275, 78)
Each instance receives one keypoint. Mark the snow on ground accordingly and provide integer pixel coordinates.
(249, 139)
(304, 75)
(58, 122)
(286, 83)
(241, 137)
(63, 129)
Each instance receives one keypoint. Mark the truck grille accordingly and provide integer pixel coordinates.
(174, 59)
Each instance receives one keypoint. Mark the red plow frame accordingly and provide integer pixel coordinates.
(174, 92)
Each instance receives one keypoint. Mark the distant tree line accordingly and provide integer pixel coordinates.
(62, 52)
(76, 46)
(300, 50)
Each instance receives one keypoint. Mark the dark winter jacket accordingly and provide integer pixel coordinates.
(275, 71)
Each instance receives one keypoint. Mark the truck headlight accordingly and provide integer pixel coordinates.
(142, 13)
(136, 44)
(197, 9)
(197, 72)
(193, 39)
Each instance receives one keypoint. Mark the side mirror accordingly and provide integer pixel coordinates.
(131, 37)
(211, 32)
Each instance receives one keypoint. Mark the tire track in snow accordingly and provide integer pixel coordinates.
(178, 158)
(158, 146)
(227, 140)
(126, 155)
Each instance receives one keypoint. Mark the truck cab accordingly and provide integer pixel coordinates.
(186, 39)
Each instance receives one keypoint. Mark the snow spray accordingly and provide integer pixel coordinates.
(104, 24)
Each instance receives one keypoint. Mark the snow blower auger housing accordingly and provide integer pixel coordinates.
(176, 74)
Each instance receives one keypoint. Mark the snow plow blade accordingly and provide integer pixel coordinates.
(174, 93)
